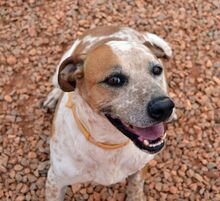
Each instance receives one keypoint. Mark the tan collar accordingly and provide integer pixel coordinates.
(85, 132)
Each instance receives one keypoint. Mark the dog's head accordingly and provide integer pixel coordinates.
(125, 82)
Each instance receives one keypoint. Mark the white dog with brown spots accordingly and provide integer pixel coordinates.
(109, 122)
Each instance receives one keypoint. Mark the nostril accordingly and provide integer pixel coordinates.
(156, 111)
(160, 108)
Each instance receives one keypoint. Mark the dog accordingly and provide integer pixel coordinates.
(113, 103)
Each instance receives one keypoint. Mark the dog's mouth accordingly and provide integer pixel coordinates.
(149, 139)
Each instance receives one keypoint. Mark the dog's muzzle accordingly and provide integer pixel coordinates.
(150, 139)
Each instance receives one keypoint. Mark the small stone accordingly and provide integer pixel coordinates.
(76, 188)
(90, 189)
(158, 186)
(28, 197)
(24, 188)
(42, 166)
(83, 191)
(217, 64)
(209, 63)
(33, 186)
(20, 198)
(8, 98)
(91, 198)
(32, 178)
(173, 190)
(18, 177)
(40, 182)
(97, 196)
(121, 197)
(32, 155)
(85, 196)
(24, 162)
(3, 169)
(198, 177)
(153, 163)
(12, 174)
(18, 167)
(211, 166)
(150, 198)
(33, 52)
(11, 60)
(189, 173)
(193, 186)
(32, 31)
(201, 191)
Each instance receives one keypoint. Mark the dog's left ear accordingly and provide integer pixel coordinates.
(70, 70)
(158, 46)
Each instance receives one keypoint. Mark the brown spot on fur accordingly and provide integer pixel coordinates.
(80, 49)
(98, 64)
(135, 188)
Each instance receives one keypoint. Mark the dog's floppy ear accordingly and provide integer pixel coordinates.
(70, 70)
(157, 45)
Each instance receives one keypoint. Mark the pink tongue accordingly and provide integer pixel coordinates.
(150, 133)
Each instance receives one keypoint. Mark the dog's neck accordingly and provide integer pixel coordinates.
(100, 129)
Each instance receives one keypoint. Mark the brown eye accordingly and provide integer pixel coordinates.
(116, 80)
(157, 70)
(113, 81)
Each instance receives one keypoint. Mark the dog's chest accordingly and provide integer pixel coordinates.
(86, 163)
(113, 168)
(77, 158)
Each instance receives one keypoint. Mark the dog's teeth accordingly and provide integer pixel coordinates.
(154, 145)
(146, 143)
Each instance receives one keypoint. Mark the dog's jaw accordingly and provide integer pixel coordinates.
(97, 125)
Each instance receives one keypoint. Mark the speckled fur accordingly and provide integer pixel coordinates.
(73, 158)
(135, 188)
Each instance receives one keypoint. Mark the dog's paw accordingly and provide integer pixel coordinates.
(52, 98)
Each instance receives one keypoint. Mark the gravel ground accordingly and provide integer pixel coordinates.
(33, 36)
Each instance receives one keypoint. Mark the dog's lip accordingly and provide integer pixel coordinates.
(150, 139)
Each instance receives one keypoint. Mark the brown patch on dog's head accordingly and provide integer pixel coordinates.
(99, 63)
(71, 68)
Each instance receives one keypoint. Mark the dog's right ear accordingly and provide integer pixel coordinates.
(70, 70)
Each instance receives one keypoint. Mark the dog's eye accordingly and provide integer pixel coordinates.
(116, 80)
(157, 70)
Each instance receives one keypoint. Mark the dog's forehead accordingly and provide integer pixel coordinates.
(130, 49)
(134, 57)
(130, 56)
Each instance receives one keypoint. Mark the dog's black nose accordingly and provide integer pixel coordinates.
(160, 108)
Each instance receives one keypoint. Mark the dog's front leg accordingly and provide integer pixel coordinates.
(55, 190)
(135, 188)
